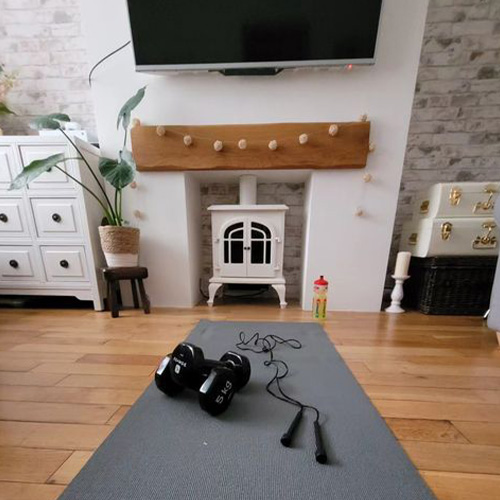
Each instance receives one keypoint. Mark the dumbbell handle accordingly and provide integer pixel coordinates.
(286, 439)
(320, 453)
(212, 363)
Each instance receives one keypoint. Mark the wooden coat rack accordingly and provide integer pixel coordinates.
(192, 147)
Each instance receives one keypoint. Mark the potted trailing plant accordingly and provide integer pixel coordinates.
(120, 243)
(7, 81)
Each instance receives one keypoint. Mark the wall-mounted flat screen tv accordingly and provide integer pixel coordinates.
(237, 34)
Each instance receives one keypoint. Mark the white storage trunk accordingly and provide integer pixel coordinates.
(460, 199)
(451, 236)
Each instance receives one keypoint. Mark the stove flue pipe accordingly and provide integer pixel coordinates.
(248, 190)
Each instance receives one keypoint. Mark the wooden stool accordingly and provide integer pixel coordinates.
(113, 276)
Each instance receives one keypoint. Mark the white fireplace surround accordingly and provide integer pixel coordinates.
(248, 242)
(350, 251)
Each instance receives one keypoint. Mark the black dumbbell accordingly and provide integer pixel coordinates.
(215, 381)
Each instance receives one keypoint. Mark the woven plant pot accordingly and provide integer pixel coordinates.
(120, 245)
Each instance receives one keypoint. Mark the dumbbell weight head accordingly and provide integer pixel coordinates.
(241, 368)
(164, 380)
(185, 366)
(217, 391)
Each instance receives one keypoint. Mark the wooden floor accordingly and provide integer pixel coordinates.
(68, 376)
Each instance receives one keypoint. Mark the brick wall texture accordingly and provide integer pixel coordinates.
(455, 125)
(42, 41)
(267, 194)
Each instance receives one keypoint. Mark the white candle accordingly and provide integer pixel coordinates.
(402, 264)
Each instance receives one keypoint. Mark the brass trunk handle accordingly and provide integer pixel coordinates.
(486, 241)
(489, 204)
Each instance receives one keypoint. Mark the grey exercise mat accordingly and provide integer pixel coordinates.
(168, 448)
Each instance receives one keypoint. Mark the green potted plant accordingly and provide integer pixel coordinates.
(7, 81)
(120, 243)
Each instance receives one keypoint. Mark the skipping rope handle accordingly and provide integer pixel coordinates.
(320, 453)
(286, 439)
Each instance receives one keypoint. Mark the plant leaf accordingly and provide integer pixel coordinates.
(118, 173)
(4, 110)
(125, 112)
(34, 170)
(51, 121)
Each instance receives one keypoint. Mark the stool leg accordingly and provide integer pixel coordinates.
(119, 293)
(134, 294)
(114, 287)
(144, 298)
(108, 295)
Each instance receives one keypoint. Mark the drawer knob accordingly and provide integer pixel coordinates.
(13, 263)
(56, 218)
(64, 263)
(3, 217)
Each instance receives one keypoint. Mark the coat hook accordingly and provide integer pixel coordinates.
(303, 138)
(242, 143)
(273, 145)
(333, 130)
(188, 140)
(135, 122)
(161, 130)
(218, 146)
(363, 117)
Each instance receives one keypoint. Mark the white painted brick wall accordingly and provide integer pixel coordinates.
(455, 125)
(42, 41)
(268, 194)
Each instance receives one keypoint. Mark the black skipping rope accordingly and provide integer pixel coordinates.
(268, 344)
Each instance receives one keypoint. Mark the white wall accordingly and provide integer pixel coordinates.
(351, 252)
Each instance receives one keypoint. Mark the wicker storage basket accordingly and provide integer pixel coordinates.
(450, 285)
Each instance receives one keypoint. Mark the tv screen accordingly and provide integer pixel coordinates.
(221, 34)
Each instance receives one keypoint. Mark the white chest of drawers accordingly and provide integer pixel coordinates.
(49, 243)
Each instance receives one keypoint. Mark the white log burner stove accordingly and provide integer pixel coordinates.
(248, 242)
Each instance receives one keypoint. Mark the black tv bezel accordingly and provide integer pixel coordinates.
(257, 68)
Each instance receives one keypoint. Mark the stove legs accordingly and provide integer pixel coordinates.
(212, 290)
(281, 291)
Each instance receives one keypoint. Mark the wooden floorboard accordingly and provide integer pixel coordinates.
(67, 378)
